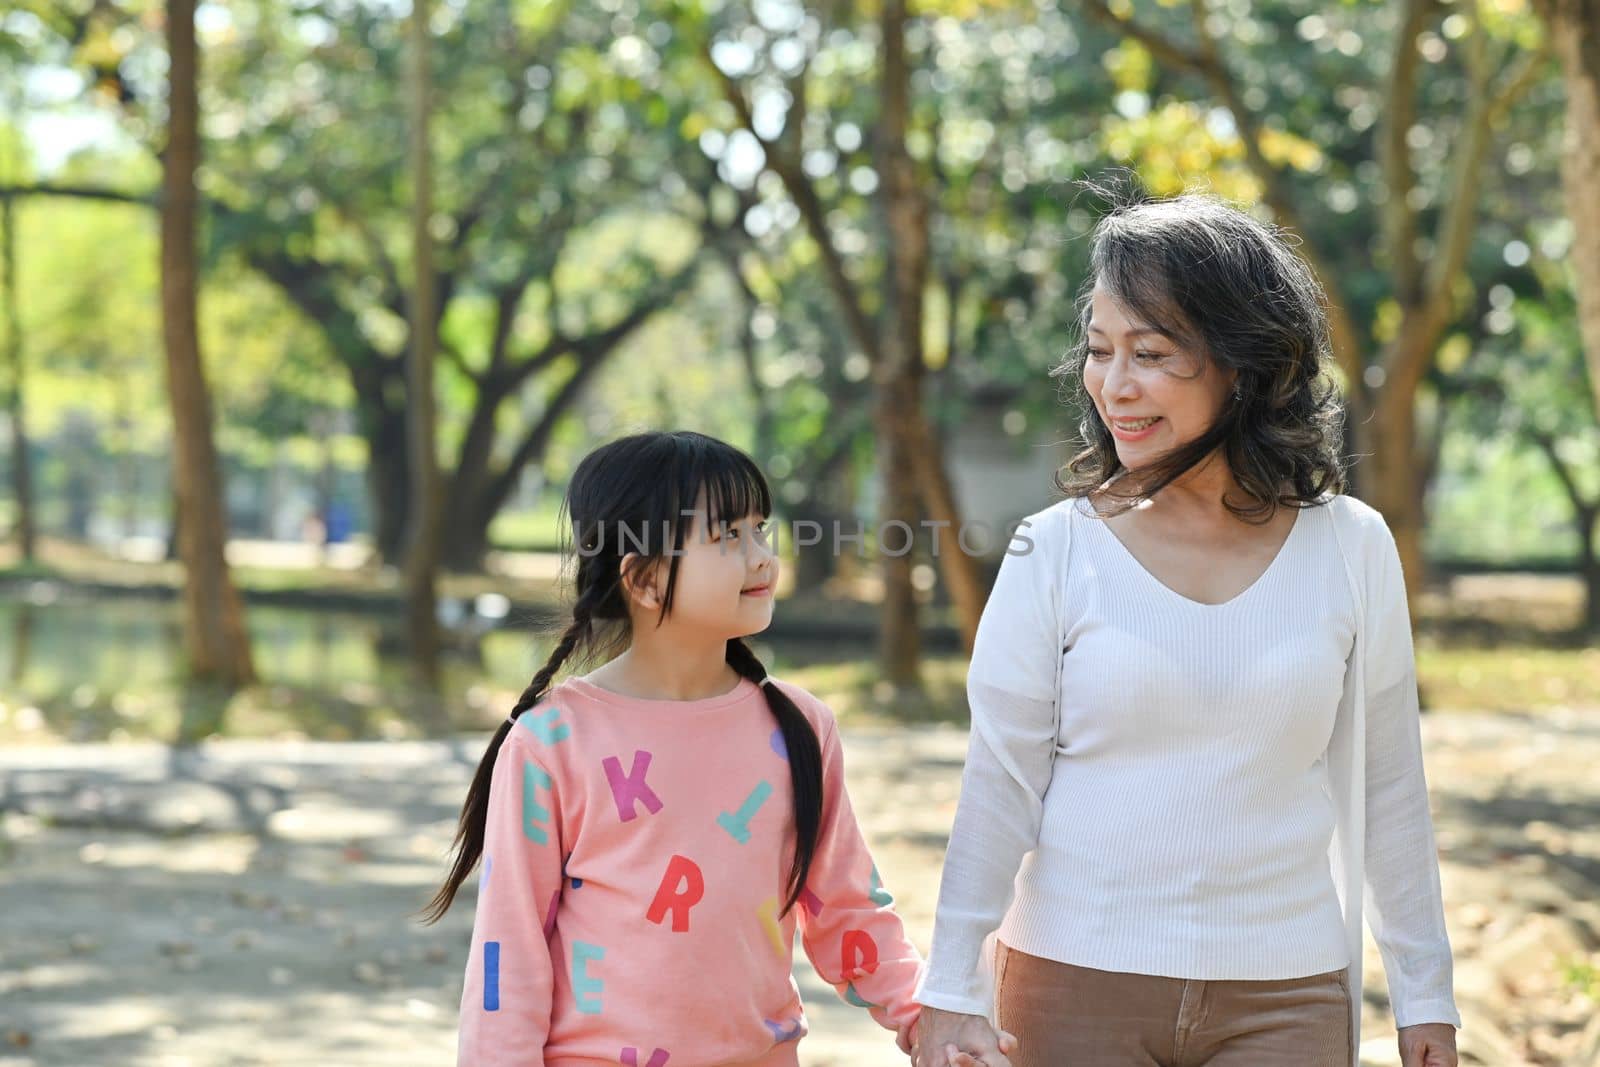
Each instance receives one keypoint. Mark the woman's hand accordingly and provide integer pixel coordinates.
(951, 1039)
(1425, 1045)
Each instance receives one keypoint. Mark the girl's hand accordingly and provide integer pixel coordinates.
(1426, 1045)
(951, 1039)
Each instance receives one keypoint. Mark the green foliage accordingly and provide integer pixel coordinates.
(586, 150)
(1584, 977)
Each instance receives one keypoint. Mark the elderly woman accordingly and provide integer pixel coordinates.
(1194, 708)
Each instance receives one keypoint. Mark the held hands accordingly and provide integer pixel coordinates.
(951, 1039)
(1428, 1045)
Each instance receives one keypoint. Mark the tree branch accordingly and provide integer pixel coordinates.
(374, 246)
(1157, 44)
(308, 285)
(1459, 220)
(533, 442)
(1399, 217)
(812, 212)
(592, 351)
(1522, 77)
(602, 341)
(82, 192)
(507, 300)
(453, 356)
(1564, 472)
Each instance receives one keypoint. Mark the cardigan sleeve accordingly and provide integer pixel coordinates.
(1403, 903)
(1011, 691)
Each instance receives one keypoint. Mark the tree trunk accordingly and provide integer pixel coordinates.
(749, 354)
(815, 563)
(325, 480)
(1585, 520)
(21, 643)
(215, 637)
(465, 539)
(127, 471)
(1591, 596)
(959, 570)
(175, 507)
(388, 479)
(1589, 566)
(422, 540)
(1574, 28)
(906, 211)
(899, 640)
(21, 461)
(1395, 486)
(828, 503)
(900, 364)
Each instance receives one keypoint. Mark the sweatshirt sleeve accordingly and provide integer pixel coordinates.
(1011, 691)
(851, 933)
(1403, 902)
(506, 1001)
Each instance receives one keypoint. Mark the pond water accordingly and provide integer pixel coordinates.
(81, 668)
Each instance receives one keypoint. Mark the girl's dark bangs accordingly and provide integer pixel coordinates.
(734, 487)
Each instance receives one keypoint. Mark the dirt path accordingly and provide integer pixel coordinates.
(247, 904)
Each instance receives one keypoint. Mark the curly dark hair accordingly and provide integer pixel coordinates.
(1231, 288)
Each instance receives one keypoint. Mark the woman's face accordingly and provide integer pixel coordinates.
(1153, 394)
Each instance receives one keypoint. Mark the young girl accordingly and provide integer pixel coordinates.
(653, 832)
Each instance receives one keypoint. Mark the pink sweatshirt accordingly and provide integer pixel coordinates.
(633, 869)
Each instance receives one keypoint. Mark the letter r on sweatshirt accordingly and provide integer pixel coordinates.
(860, 954)
(630, 789)
(669, 897)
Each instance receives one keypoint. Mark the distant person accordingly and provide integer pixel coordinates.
(653, 832)
(1192, 680)
(340, 523)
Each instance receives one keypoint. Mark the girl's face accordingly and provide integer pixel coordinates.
(1153, 394)
(726, 577)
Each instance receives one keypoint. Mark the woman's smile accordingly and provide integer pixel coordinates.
(1134, 429)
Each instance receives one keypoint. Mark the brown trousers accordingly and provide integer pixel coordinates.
(1066, 1016)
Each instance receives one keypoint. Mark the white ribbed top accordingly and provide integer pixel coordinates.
(1188, 818)
(1148, 785)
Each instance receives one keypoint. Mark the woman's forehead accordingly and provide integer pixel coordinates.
(1153, 312)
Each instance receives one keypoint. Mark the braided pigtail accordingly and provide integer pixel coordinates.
(805, 766)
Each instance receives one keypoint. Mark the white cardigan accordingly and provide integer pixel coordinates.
(1383, 846)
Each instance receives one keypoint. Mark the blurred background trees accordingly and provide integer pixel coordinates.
(847, 237)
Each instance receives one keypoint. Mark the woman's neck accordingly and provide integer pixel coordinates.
(1199, 491)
